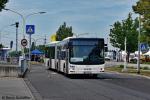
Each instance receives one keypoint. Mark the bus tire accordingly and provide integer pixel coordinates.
(64, 69)
(57, 67)
(48, 63)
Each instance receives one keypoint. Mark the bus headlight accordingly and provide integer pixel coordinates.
(72, 67)
(101, 69)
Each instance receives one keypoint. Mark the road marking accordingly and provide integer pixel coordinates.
(50, 73)
(53, 73)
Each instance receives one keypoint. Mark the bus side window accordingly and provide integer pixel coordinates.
(63, 55)
(58, 55)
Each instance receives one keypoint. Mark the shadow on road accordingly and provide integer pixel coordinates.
(99, 76)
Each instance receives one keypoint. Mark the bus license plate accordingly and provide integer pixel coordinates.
(87, 70)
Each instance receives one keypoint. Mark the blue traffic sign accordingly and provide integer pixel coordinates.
(30, 29)
(144, 46)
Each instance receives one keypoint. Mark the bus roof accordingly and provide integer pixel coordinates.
(72, 38)
(52, 43)
(83, 38)
(68, 38)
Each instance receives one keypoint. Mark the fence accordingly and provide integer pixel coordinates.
(9, 60)
(16, 65)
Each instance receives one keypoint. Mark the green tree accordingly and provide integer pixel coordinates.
(126, 28)
(2, 4)
(63, 32)
(26, 50)
(1, 46)
(15, 53)
(142, 7)
(41, 48)
(33, 46)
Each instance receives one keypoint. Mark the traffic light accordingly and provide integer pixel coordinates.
(106, 47)
(17, 24)
(11, 44)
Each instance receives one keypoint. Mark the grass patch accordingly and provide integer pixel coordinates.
(121, 66)
(34, 62)
(145, 68)
(146, 63)
(143, 71)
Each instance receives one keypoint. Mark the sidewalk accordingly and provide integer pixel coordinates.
(114, 63)
(14, 89)
(141, 65)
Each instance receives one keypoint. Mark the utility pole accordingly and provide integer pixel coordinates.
(139, 48)
(17, 25)
(125, 55)
(44, 45)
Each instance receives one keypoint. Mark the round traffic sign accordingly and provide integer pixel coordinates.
(24, 42)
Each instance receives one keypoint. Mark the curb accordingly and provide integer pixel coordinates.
(34, 92)
(32, 97)
(130, 74)
(140, 75)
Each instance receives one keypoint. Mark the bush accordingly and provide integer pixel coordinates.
(42, 60)
(121, 66)
(145, 68)
(133, 61)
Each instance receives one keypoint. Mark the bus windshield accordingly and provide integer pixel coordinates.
(89, 54)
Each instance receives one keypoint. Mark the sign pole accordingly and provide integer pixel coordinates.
(29, 51)
(125, 55)
(30, 30)
(139, 48)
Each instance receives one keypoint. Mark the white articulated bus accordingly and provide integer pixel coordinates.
(77, 55)
(50, 55)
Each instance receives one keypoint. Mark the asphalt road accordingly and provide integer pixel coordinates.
(49, 85)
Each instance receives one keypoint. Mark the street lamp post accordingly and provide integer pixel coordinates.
(42, 12)
(125, 55)
(23, 20)
(139, 48)
(23, 26)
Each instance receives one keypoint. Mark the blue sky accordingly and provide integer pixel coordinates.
(85, 16)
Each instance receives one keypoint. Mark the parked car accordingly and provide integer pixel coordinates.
(135, 59)
(107, 58)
